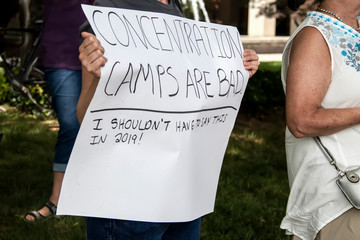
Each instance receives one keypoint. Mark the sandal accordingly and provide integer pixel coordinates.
(37, 216)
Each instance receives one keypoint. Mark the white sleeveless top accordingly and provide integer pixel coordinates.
(315, 199)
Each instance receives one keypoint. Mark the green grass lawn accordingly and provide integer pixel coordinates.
(251, 198)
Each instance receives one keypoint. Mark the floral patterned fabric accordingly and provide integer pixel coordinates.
(340, 36)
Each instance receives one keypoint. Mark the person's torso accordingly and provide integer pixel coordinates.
(59, 41)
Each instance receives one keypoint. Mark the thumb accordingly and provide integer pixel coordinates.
(86, 34)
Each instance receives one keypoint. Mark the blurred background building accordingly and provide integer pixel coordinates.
(264, 25)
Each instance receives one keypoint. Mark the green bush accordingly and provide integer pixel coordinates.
(5, 94)
(40, 95)
(264, 93)
(23, 103)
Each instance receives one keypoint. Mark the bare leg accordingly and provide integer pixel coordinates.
(54, 198)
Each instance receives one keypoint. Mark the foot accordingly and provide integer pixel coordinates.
(48, 210)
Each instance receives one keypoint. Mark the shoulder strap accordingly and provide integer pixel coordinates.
(328, 155)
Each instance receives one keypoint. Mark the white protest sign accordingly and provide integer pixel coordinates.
(151, 145)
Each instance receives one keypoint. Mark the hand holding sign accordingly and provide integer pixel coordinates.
(91, 54)
(251, 61)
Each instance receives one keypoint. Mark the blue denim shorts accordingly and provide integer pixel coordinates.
(112, 229)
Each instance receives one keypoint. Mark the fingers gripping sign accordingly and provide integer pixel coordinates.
(92, 54)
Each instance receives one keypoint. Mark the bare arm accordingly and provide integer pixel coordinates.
(308, 79)
(92, 59)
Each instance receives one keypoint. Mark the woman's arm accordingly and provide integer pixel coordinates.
(92, 59)
(308, 79)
